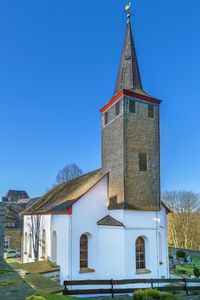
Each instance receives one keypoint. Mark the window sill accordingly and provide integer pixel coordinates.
(143, 271)
(86, 270)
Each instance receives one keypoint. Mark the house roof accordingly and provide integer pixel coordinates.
(62, 196)
(15, 194)
(29, 201)
(110, 221)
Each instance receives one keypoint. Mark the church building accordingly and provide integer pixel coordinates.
(109, 223)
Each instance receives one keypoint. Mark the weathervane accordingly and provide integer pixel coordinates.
(127, 11)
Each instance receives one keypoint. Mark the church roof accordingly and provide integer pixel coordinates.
(129, 75)
(62, 196)
(109, 221)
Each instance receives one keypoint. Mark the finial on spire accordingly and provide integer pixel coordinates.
(127, 10)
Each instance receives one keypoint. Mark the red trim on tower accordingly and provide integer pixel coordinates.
(112, 101)
(128, 93)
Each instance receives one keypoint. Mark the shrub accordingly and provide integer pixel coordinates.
(153, 294)
(170, 256)
(180, 254)
(35, 298)
(196, 272)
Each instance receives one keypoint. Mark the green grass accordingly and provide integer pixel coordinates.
(61, 297)
(195, 259)
(56, 297)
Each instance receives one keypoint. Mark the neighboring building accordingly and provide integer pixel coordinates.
(14, 205)
(109, 223)
(13, 226)
(2, 220)
(14, 196)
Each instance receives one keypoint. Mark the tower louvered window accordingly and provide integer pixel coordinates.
(83, 251)
(140, 253)
(106, 118)
(117, 108)
(132, 106)
(142, 162)
(150, 111)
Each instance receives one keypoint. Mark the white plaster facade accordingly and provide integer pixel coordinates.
(111, 249)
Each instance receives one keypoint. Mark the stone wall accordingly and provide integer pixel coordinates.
(14, 237)
(2, 228)
(123, 138)
(142, 189)
(188, 252)
(113, 153)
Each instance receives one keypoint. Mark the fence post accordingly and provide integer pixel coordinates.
(65, 290)
(111, 282)
(186, 286)
(152, 284)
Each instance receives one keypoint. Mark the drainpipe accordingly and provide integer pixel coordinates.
(71, 246)
(157, 244)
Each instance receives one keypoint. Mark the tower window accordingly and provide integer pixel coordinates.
(117, 107)
(132, 106)
(150, 111)
(142, 162)
(106, 118)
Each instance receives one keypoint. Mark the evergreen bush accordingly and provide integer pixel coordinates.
(153, 294)
(196, 272)
(180, 254)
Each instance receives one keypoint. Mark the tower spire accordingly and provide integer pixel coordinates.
(128, 75)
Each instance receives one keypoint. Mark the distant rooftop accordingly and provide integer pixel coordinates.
(14, 196)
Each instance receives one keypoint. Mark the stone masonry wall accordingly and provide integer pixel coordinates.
(123, 138)
(14, 237)
(142, 189)
(113, 152)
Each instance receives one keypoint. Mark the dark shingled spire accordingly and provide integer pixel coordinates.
(128, 75)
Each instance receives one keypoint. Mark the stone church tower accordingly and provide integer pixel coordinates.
(131, 138)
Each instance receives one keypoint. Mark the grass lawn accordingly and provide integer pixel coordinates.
(61, 297)
(195, 259)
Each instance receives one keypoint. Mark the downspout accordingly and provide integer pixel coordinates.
(71, 246)
(157, 245)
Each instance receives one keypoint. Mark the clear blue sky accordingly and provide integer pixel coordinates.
(58, 66)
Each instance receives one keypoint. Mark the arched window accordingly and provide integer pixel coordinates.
(140, 253)
(30, 245)
(43, 244)
(83, 251)
(25, 243)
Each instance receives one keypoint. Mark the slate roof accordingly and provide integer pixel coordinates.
(16, 195)
(29, 201)
(129, 75)
(110, 221)
(62, 196)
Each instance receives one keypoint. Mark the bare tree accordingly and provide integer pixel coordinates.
(34, 229)
(184, 222)
(68, 173)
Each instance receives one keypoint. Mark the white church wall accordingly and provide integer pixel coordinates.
(152, 226)
(34, 225)
(85, 214)
(60, 230)
(111, 252)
